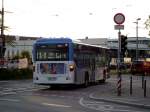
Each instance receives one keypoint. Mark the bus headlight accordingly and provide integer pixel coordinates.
(71, 67)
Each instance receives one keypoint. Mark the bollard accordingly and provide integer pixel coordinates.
(119, 84)
(131, 85)
(143, 81)
(144, 88)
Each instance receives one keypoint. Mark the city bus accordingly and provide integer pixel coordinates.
(63, 61)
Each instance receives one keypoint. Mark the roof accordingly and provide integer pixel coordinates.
(95, 41)
(15, 37)
(113, 43)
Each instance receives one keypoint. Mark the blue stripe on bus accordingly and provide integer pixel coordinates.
(53, 40)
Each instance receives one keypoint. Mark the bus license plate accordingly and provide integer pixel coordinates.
(52, 78)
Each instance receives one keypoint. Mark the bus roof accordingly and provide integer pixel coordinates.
(53, 40)
(64, 40)
(80, 42)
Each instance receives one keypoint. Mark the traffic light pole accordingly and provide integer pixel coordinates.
(119, 60)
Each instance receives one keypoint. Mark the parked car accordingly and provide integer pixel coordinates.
(140, 67)
(3, 63)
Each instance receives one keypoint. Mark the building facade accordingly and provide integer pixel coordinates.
(25, 44)
(143, 46)
(19, 45)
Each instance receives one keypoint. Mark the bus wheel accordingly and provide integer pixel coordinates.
(86, 80)
(54, 87)
(102, 81)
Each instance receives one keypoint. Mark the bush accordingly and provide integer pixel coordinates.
(15, 74)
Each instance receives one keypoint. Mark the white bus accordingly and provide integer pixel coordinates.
(63, 61)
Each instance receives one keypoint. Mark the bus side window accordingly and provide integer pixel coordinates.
(75, 59)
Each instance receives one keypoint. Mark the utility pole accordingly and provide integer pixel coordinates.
(2, 32)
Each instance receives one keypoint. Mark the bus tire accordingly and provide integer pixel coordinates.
(86, 79)
(102, 81)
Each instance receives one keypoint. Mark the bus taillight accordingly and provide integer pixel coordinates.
(71, 67)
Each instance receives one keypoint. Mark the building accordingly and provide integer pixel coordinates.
(18, 45)
(143, 46)
(22, 43)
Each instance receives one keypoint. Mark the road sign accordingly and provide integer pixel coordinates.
(119, 27)
(119, 18)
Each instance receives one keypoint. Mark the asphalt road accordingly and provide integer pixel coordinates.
(24, 96)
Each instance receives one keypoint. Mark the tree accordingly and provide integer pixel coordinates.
(147, 25)
(25, 54)
(8, 41)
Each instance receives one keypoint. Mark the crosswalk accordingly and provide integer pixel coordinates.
(10, 91)
(19, 89)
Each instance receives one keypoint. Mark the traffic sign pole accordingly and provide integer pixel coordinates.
(119, 60)
(119, 19)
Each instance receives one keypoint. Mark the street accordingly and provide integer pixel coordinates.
(24, 96)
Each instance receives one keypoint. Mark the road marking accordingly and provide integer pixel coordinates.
(11, 100)
(7, 93)
(4, 81)
(56, 105)
(81, 102)
(101, 106)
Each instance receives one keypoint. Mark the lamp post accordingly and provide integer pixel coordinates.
(2, 18)
(137, 27)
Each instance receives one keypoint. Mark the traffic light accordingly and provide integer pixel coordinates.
(123, 45)
(1, 54)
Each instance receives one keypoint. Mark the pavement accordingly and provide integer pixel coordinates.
(109, 92)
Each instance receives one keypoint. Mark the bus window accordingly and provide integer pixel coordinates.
(52, 52)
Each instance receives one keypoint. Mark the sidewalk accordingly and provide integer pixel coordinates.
(108, 93)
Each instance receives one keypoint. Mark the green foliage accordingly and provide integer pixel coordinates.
(25, 54)
(10, 42)
(15, 74)
(124, 72)
(16, 57)
(147, 24)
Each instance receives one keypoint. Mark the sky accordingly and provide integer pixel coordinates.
(74, 18)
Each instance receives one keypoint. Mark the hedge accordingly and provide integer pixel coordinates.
(115, 72)
(15, 74)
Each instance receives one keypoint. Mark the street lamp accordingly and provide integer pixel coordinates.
(137, 27)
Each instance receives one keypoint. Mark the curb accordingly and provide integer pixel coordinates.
(120, 102)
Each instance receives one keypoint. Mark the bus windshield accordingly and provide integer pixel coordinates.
(52, 52)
